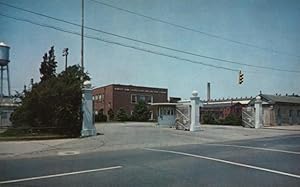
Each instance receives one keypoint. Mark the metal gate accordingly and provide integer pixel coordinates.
(248, 117)
(183, 116)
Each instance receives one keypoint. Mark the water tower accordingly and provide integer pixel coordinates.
(4, 60)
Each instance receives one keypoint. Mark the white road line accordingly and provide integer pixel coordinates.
(258, 148)
(225, 161)
(59, 175)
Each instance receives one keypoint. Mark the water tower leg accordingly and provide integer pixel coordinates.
(8, 81)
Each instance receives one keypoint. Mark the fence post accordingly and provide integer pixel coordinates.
(195, 115)
(88, 127)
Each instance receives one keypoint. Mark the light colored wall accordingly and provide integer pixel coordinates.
(282, 115)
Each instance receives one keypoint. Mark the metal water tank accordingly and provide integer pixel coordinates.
(4, 54)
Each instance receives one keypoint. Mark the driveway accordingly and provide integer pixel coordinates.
(132, 135)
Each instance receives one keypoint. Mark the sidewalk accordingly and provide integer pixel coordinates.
(15, 148)
(286, 127)
(132, 135)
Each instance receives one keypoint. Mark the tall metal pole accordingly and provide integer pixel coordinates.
(65, 54)
(66, 64)
(82, 33)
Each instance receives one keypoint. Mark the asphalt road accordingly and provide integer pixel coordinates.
(258, 162)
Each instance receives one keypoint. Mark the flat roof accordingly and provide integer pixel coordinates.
(129, 85)
(163, 104)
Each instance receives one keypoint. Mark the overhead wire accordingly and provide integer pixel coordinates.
(194, 30)
(148, 43)
(120, 44)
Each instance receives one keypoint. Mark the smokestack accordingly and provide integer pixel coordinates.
(208, 91)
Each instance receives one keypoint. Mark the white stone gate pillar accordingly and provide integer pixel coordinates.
(258, 112)
(195, 115)
(88, 127)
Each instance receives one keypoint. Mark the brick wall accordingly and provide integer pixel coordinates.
(119, 96)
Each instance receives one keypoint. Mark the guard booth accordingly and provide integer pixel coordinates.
(166, 114)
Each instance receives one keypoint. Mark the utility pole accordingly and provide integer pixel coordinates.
(65, 53)
(82, 33)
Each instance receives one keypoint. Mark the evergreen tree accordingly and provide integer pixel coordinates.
(100, 116)
(55, 102)
(48, 66)
(121, 115)
(111, 114)
(141, 112)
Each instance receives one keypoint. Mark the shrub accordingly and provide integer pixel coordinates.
(208, 118)
(111, 114)
(141, 112)
(121, 115)
(100, 117)
(232, 119)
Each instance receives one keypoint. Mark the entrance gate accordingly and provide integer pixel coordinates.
(183, 116)
(248, 117)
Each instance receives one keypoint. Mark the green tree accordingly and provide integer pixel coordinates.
(121, 115)
(111, 114)
(100, 117)
(232, 119)
(141, 112)
(208, 118)
(54, 103)
(48, 66)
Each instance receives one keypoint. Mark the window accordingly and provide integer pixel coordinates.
(151, 115)
(4, 115)
(145, 98)
(164, 112)
(141, 98)
(172, 112)
(149, 99)
(133, 99)
(290, 113)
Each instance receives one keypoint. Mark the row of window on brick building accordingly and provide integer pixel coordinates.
(135, 98)
(98, 97)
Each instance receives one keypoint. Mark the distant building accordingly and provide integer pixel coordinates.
(7, 107)
(174, 99)
(242, 100)
(115, 96)
(219, 109)
(280, 110)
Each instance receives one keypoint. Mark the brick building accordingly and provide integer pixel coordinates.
(219, 109)
(116, 96)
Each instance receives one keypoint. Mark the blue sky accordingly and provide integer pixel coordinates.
(272, 24)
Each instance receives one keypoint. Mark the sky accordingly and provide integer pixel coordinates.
(272, 26)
